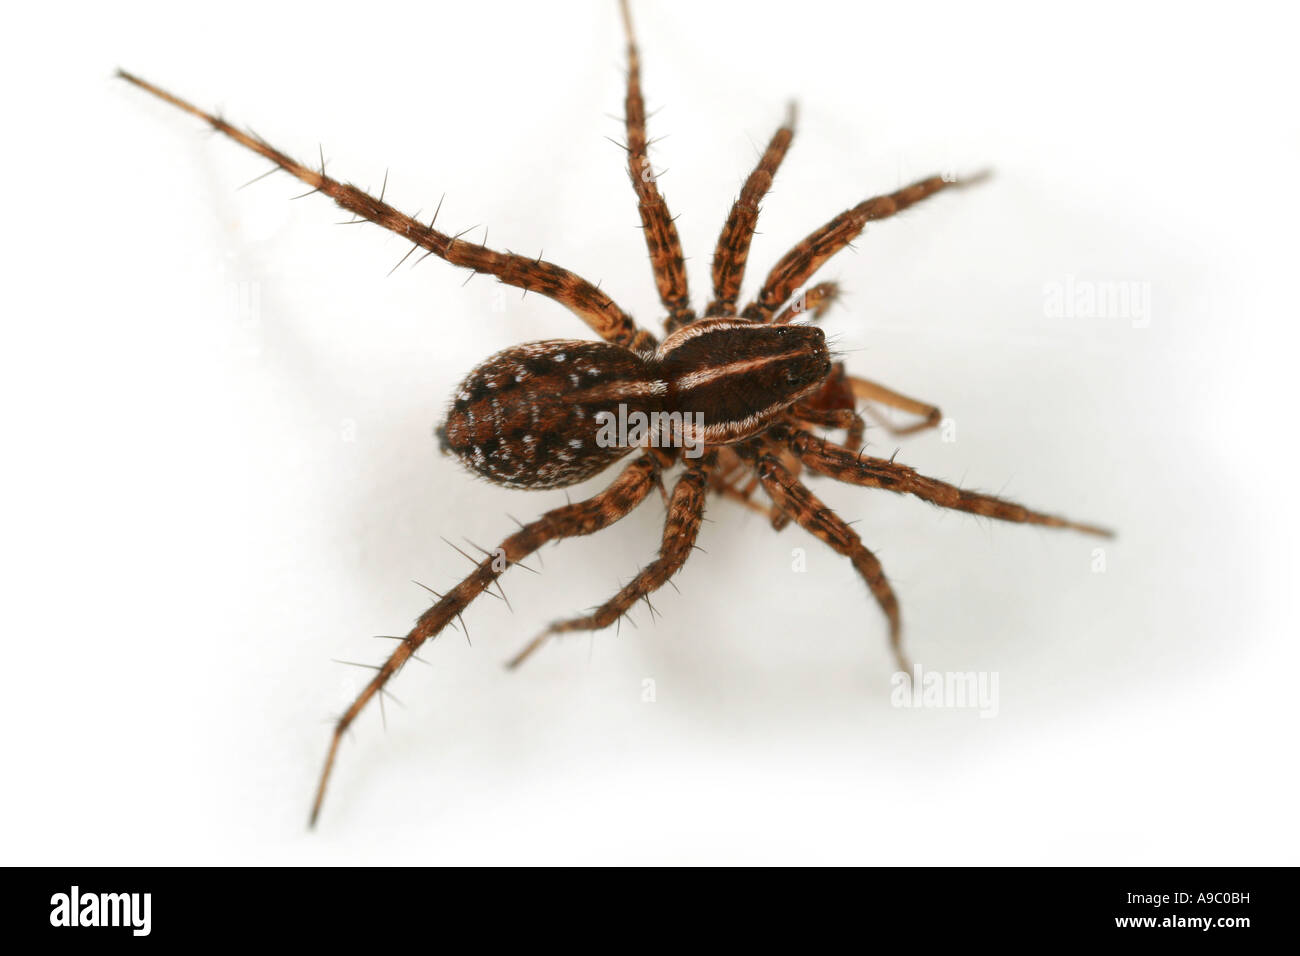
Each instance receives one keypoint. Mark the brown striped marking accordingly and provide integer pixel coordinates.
(740, 376)
(530, 416)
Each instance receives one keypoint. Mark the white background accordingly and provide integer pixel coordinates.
(220, 473)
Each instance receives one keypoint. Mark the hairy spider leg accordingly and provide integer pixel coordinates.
(657, 223)
(815, 302)
(681, 527)
(842, 464)
(594, 514)
(575, 293)
(732, 251)
(795, 268)
(808, 511)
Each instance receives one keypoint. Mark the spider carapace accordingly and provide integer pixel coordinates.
(730, 396)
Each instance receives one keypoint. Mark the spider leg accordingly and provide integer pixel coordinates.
(815, 301)
(742, 495)
(726, 481)
(657, 223)
(842, 464)
(795, 500)
(852, 422)
(579, 518)
(727, 473)
(733, 243)
(685, 513)
(845, 418)
(797, 265)
(585, 300)
(870, 391)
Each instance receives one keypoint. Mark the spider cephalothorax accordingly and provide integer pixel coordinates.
(729, 397)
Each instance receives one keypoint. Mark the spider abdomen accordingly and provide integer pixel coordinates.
(531, 416)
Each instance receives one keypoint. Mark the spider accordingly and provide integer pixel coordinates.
(730, 395)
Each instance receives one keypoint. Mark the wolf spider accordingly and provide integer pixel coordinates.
(751, 383)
